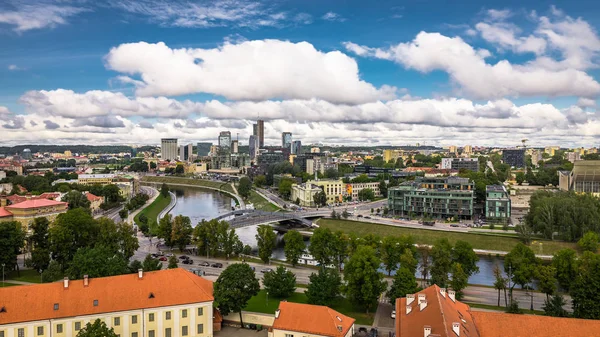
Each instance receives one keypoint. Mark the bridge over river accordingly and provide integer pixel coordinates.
(248, 217)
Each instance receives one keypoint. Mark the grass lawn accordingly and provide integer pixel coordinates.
(261, 203)
(27, 275)
(153, 210)
(425, 236)
(188, 181)
(258, 303)
(6, 284)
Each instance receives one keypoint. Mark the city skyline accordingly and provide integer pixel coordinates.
(77, 72)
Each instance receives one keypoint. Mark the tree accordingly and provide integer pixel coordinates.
(76, 199)
(294, 247)
(151, 264)
(280, 283)
(459, 279)
(164, 190)
(244, 187)
(172, 262)
(463, 253)
(111, 193)
(236, 285)
(554, 306)
(152, 165)
(546, 280)
(123, 213)
(404, 283)
(441, 262)
(265, 239)
(40, 252)
(321, 247)
(364, 283)
(383, 188)
(390, 254)
(119, 237)
(165, 230)
(52, 273)
(99, 261)
(181, 232)
(70, 231)
(231, 243)
(519, 265)
(366, 194)
(408, 260)
(260, 181)
(345, 214)
(564, 261)
(425, 265)
(96, 329)
(499, 283)
(520, 177)
(135, 266)
(247, 250)
(179, 169)
(585, 291)
(320, 199)
(285, 188)
(589, 242)
(525, 232)
(324, 287)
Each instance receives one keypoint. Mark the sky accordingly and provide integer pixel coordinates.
(432, 72)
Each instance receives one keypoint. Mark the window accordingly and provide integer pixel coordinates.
(168, 332)
(150, 317)
(184, 313)
(117, 321)
(59, 328)
(200, 328)
(40, 330)
(77, 326)
(168, 315)
(184, 330)
(289, 335)
(1, 333)
(95, 303)
(134, 334)
(150, 333)
(134, 319)
(55, 306)
(200, 311)
(21, 332)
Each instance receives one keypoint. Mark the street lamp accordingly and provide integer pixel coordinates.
(3, 275)
(267, 298)
(40, 275)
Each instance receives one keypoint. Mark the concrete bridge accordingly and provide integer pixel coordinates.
(246, 217)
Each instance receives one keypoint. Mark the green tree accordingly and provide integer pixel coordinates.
(364, 283)
(280, 283)
(151, 264)
(345, 214)
(181, 232)
(111, 193)
(324, 287)
(441, 259)
(564, 261)
(260, 181)
(210, 236)
(294, 247)
(123, 213)
(165, 230)
(53, 273)
(519, 265)
(265, 239)
(172, 262)
(520, 177)
(135, 266)
(76, 199)
(164, 190)
(230, 243)
(459, 280)
(153, 165)
(383, 188)
(70, 231)
(366, 194)
(404, 283)
(40, 252)
(236, 285)
(321, 247)
(120, 237)
(285, 188)
(99, 261)
(585, 290)
(546, 280)
(96, 329)
(320, 199)
(408, 260)
(463, 253)
(554, 306)
(589, 242)
(390, 253)
(179, 169)
(499, 283)
(244, 187)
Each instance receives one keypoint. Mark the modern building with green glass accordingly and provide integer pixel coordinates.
(497, 204)
(440, 198)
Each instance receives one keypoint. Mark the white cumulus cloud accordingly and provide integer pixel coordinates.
(28, 15)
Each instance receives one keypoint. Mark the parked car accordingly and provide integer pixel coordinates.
(367, 217)
(188, 261)
(393, 314)
(154, 255)
(184, 257)
(362, 329)
(266, 270)
(217, 265)
(454, 225)
(359, 216)
(163, 258)
(204, 263)
(169, 254)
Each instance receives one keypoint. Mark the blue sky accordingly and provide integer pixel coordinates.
(384, 72)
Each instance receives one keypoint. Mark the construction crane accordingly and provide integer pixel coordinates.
(524, 141)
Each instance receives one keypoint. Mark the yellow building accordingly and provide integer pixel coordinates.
(392, 155)
(95, 202)
(68, 154)
(91, 179)
(334, 189)
(172, 302)
(304, 194)
(25, 212)
(357, 187)
(307, 320)
(467, 149)
(453, 149)
(551, 150)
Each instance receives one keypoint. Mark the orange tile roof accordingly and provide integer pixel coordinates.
(439, 315)
(92, 197)
(34, 203)
(116, 293)
(498, 324)
(312, 319)
(4, 213)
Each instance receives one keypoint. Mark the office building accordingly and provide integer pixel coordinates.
(471, 164)
(584, 178)
(353, 189)
(203, 149)
(268, 158)
(168, 149)
(234, 146)
(144, 304)
(253, 147)
(186, 152)
(225, 139)
(296, 147)
(258, 130)
(440, 198)
(497, 204)
(514, 157)
(334, 189)
(304, 194)
(286, 140)
(292, 319)
(392, 155)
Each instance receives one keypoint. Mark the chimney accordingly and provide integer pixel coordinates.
(410, 298)
(452, 295)
(426, 331)
(408, 309)
(66, 283)
(422, 305)
(140, 273)
(456, 328)
(421, 298)
(86, 281)
(443, 292)
(277, 312)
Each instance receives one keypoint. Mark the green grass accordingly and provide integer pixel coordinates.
(7, 284)
(426, 236)
(258, 303)
(261, 203)
(153, 210)
(26, 275)
(188, 181)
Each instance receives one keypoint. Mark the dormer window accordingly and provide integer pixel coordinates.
(151, 295)
(3, 309)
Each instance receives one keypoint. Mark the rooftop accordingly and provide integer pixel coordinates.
(96, 176)
(115, 293)
(495, 188)
(311, 319)
(586, 170)
(35, 203)
(4, 213)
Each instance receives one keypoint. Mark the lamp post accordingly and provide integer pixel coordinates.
(267, 298)
(3, 275)
(40, 275)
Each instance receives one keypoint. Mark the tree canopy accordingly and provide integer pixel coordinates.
(236, 285)
(280, 283)
(364, 283)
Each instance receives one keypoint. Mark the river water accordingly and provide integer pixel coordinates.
(201, 204)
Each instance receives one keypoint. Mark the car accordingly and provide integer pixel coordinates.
(393, 314)
(204, 263)
(184, 257)
(362, 329)
(266, 270)
(367, 217)
(169, 254)
(454, 225)
(162, 258)
(217, 265)
(188, 261)
(359, 216)
(153, 255)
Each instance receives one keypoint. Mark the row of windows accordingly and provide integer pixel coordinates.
(184, 314)
(169, 333)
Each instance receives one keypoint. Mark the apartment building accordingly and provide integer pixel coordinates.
(165, 303)
(471, 164)
(298, 319)
(497, 204)
(354, 188)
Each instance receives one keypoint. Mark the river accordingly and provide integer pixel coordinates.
(201, 204)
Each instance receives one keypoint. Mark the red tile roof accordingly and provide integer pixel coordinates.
(35, 203)
(4, 213)
(116, 293)
(92, 197)
(312, 319)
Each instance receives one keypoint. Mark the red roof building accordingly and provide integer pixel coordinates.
(311, 319)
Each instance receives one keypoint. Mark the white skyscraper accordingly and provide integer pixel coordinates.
(168, 148)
